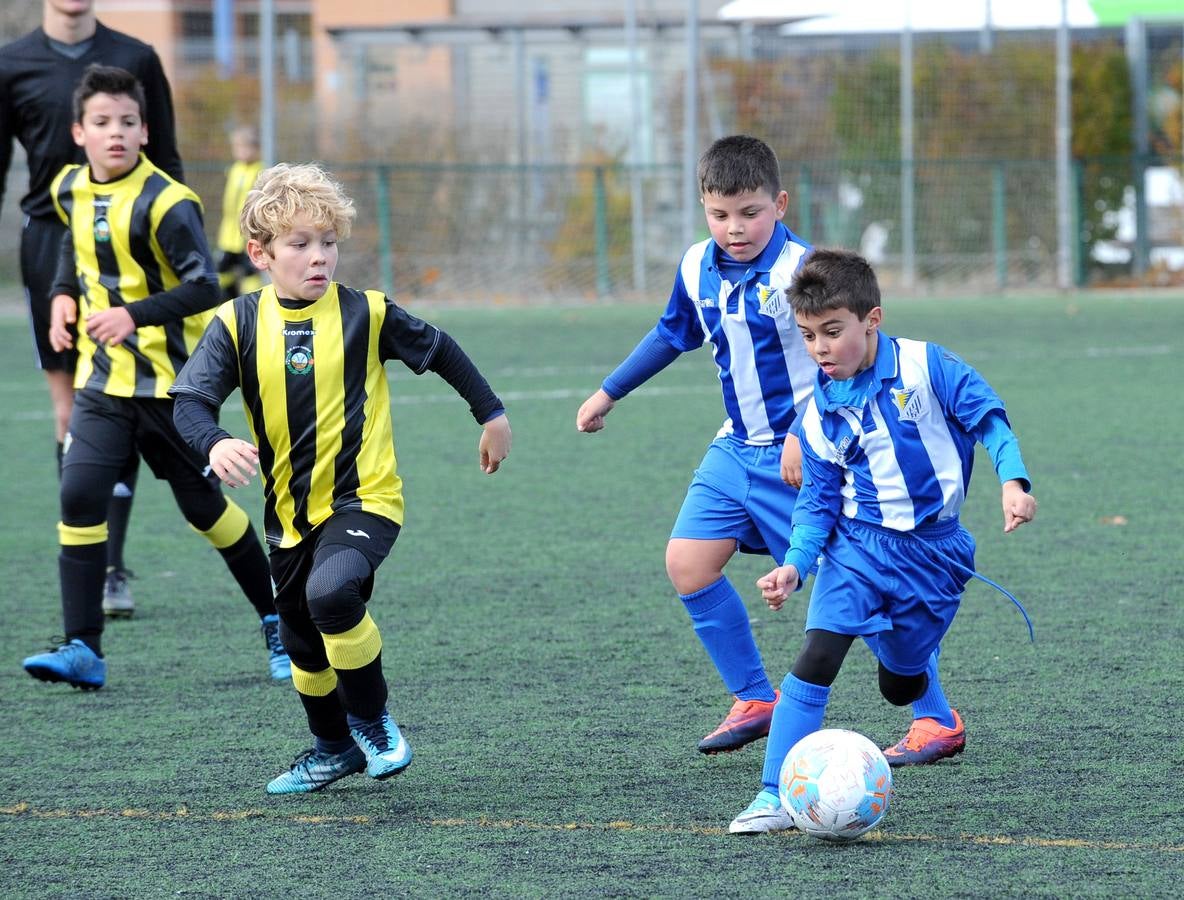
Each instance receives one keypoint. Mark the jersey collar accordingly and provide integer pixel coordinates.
(767, 258)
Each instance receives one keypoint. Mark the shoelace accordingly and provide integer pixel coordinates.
(271, 633)
(375, 733)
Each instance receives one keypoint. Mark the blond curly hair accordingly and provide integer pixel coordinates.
(286, 190)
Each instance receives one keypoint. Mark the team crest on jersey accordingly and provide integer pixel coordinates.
(910, 402)
(772, 299)
(298, 360)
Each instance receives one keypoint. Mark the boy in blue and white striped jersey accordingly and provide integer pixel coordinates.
(729, 291)
(887, 448)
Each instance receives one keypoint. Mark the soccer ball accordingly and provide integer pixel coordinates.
(835, 784)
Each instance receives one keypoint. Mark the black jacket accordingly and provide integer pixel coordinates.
(36, 87)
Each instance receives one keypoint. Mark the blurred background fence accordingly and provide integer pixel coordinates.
(507, 153)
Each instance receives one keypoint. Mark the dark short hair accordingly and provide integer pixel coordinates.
(739, 163)
(834, 279)
(112, 80)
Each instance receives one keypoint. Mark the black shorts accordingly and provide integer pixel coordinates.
(41, 243)
(106, 431)
(371, 535)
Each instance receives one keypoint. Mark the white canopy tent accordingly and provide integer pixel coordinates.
(880, 16)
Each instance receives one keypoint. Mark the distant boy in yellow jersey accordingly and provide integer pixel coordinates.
(236, 274)
(137, 278)
(308, 355)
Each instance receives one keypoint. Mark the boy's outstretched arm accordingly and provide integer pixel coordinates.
(1018, 505)
(653, 354)
(494, 445)
(590, 417)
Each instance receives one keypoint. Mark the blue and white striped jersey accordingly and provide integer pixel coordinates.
(903, 459)
(766, 374)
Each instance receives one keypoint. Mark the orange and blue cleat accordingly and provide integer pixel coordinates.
(746, 721)
(927, 742)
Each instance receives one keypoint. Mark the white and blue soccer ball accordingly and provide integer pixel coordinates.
(835, 784)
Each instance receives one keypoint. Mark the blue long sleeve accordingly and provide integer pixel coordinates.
(653, 354)
(1001, 444)
(805, 543)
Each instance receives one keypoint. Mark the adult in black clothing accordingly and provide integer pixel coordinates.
(38, 74)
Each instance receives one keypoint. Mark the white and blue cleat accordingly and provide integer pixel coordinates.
(765, 813)
(387, 751)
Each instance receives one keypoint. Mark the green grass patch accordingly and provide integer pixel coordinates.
(549, 680)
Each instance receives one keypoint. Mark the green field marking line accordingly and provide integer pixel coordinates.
(182, 814)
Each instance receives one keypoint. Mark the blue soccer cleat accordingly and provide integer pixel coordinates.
(387, 751)
(72, 662)
(277, 657)
(311, 771)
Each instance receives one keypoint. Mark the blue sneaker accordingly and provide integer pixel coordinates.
(765, 813)
(72, 662)
(277, 657)
(387, 752)
(311, 771)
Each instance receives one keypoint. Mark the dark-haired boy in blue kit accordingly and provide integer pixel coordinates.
(887, 449)
(729, 292)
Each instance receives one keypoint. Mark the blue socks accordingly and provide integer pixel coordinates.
(798, 713)
(721, 621)
(932, 704)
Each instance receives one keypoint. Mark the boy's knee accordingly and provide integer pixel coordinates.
(901, 690)
(821, 657)
(335, 590)
(693, 565)
(81, 502)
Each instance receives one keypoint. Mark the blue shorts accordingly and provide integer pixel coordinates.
(737, 494)
(906, 587)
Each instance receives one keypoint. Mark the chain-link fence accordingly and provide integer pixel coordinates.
(542, 163)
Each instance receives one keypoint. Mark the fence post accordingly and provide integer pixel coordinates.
(805, 222)
(601, 231)
(999, 223)
(1078, 195)
(386, 263)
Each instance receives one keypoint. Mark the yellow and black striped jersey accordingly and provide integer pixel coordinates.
(240, 177)
(137, 242)
(317, 399)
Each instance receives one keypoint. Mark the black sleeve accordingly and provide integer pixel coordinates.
(452, 364)
(183, 241)
(197, 422)
(7, 135)
(65, 278)
(403, 337)
(161, 122)
(212, 372)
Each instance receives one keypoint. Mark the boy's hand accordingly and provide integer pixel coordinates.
(590, 418)
(1018, 506)
(111, 327)
(791, 462)
(778, 585)
(234, 461)
(63, 312)
(495, 443)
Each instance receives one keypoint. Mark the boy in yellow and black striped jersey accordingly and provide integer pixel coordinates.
(308, 354)
(236, 274)
(137, 280)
